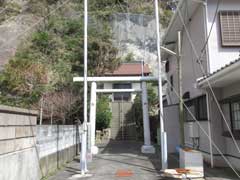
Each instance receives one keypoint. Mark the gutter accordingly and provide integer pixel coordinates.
(203, 83)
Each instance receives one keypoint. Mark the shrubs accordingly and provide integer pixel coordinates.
(104, 114)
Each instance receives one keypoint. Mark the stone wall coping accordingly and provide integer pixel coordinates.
(16, 110)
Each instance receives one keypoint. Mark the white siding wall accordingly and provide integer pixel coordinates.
(134, 86)
(172, 127)
(108, 86)
(191, 69)
(220, 56)
(231, 90)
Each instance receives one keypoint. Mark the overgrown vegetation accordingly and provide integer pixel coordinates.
(103, 114)
(8, 10)
(136, 110)
(46, 62)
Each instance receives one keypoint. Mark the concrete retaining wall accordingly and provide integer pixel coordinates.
(30, 152)
(18, 155)
(56, 145)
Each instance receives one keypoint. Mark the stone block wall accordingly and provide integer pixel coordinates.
(18, 153)
(57, 145)
(29, 151)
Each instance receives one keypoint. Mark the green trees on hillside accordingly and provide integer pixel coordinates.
(46, 62)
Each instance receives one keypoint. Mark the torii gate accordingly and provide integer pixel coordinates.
(147, 147)
(144, 92)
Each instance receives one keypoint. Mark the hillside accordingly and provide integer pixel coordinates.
(41, 45)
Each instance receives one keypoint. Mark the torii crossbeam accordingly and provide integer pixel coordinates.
(147, 147)
(86, 78)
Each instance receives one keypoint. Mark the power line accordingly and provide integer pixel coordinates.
(3, 10)
(210, 32)
(209, 85)
(200, 126)
(35, 24)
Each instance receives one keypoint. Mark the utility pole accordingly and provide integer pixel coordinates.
(83, 158)
(181, 112)
(164, 153)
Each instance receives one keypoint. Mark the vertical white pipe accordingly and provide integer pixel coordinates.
(41, 111)
(51, 114)
(163, 140)
(205, 12)
(84, 135)
(122, 118)
(146, 126)
(209, 128)
(94, 149)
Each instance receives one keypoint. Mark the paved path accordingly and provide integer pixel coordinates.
(118, 157)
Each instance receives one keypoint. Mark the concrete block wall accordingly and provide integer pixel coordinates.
(29, 151)
(57, 145)
(18, 153)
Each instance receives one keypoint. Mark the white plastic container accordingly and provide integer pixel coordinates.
(192, 160)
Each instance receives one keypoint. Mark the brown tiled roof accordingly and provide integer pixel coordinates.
(130, 69)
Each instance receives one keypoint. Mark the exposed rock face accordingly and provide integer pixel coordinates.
(12, 31)
(136, 34)
(11, 35)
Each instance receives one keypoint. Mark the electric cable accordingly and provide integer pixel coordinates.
(209, 85)
(35, 24)
(203, 130)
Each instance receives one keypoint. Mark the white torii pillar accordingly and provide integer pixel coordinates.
(147, 148)
(94, 149)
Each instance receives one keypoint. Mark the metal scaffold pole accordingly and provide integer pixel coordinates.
(164, 154)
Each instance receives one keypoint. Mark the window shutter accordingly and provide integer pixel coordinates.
(230, 28)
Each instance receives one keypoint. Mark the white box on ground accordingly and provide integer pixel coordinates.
(192, 160)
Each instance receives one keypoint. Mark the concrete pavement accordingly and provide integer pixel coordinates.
(119, 159)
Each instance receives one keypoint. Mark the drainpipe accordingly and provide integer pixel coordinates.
(205, 12)
(209, 127)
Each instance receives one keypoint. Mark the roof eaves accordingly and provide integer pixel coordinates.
(218, 71)
(172, 21)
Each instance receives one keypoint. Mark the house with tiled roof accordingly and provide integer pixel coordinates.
(122, 126)
(134, 68)
(210, 77)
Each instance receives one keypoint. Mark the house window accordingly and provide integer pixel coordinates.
(230, 28)
(235, 113)
(167, 67)
(124, 96)
(171, 81)
(187, 115)
(202, 108)
(198, 108)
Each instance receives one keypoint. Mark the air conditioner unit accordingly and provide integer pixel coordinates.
(193, 130)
